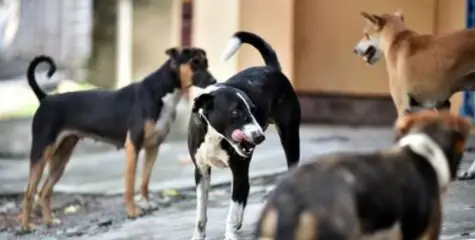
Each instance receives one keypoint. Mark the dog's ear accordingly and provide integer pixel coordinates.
(403, 125)
(202, 52)
(462, 127)
(399, 13)
(373, 19)
(173, 52)
(205, 100)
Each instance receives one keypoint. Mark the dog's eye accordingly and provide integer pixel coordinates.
(195, 62)
(235, 113)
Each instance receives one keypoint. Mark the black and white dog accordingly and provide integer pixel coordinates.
(229, 119)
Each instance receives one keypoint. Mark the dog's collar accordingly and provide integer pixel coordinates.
(423, 145)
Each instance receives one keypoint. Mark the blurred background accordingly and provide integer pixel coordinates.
(110, 43)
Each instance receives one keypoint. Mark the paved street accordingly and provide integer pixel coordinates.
(91, 176)
(459, 220)
(104, 171)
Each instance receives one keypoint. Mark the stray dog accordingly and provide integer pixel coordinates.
(390, 194)
(424, 70)
(229, 119)
(134, 117)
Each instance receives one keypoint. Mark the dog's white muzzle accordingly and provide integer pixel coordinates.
(369, 50)
(254, 133)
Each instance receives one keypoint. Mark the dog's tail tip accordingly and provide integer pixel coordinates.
(231, 48)
(40, 94)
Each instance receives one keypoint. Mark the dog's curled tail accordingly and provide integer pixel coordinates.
(266, 51)
(40, 94)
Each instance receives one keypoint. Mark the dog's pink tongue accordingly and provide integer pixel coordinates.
(238, 136)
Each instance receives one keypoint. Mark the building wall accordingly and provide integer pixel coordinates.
(55, 27)
(326, 33)
(451, 16)
(314, 41)
(154, 31)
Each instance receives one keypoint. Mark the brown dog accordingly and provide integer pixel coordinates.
(390, 194)
(424, 70)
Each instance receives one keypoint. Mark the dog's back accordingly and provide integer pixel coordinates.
(299, 209)
(329, 198)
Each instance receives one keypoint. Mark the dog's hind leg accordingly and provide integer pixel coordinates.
(287, 121)
(240, 192)
(290, 139)
(57, 164)
(468, 174)
(202, 181)
(38, 158)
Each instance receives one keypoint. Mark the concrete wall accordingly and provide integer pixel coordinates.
(215, 21)
(326, 33)
(57, 28)
(451, 15)
(314, 39)
(155, 29)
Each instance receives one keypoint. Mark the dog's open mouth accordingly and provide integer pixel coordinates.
(246, 147)
(241, 143)
(369, 54)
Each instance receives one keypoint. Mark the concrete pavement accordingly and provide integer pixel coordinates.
(102, 173)
(177, 223)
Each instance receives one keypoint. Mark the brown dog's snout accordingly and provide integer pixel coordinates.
(358, 51)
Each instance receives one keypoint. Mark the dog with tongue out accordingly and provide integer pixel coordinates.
(228, 121)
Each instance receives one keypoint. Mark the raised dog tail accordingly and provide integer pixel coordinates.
(266, 51)
(40, 94)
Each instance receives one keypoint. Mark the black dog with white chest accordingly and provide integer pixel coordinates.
(229, 119)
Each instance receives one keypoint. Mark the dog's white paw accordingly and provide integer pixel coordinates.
(466, 175)
(230, 236)
(197, 236)
(145, 204)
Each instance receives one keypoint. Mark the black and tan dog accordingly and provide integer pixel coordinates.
(134, 117)
(391, 194)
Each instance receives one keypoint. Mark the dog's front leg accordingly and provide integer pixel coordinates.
(131, 154)
(151, 153)
(202, 181)
(240, 192)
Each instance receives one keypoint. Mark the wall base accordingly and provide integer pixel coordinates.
(348, 110)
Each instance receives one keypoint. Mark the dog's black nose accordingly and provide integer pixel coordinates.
(259, 139)
(355, 51)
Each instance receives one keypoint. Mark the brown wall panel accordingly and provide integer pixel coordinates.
(326, 33)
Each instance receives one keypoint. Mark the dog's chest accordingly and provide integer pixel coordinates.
(210, 153)
(168, 112)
